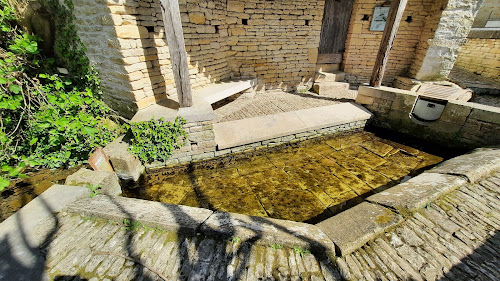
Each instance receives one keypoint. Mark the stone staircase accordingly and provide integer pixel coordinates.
(328, 81)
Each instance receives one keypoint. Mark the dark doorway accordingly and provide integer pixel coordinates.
(334, 28)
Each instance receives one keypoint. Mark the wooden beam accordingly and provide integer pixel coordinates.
(390, 30)
(177, 48)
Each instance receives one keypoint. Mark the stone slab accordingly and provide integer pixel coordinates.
(354, 227)
(475, 165)
(333, 115)
(200, 111)
(335, 76)
(22, 234)
(126, 165)
(176, 218)
(268, 231)
(219, 91)
(240, 132)
(336, 90)
(108, 181)
(415, 193)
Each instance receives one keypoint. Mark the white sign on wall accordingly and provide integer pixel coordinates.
(379, 18)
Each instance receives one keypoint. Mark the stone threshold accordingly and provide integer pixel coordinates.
(252, 130)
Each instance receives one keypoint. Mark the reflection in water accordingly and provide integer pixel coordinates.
(301, 182)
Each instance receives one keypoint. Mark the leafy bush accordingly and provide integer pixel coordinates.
(45, 119)
(155, 140)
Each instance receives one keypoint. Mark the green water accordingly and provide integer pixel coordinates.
(301, 182)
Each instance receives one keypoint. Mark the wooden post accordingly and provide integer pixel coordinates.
(177, 48)
(390, 30)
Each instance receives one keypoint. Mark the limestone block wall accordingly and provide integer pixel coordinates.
(130, 49)
(275, 41)
(362, 44)
(462, 124)
(481, 56)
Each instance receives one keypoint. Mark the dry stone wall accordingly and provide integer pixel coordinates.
(273, 41)
(362, 44)
(481, 56)
(461, 125)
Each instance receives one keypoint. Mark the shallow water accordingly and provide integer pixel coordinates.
(303, 182)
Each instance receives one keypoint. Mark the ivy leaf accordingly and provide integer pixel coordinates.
(15, 88)
(89, 130)
(33, 141)
(3, 183)
(3, 80)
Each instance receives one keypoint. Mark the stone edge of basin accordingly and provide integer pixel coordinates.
(385, 210)
(192, 220)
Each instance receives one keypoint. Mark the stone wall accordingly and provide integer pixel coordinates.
(362, 44)
(481, 56)
(462, 124)
(275, 41)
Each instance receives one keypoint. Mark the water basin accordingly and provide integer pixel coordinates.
(304, 182)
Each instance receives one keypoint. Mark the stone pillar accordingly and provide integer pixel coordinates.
(451, 33)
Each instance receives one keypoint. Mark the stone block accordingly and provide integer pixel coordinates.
(456, 112)
(313, 55)
(414, 194)
(328, 67)
(404, 102)
(126, 165)
(473, 166)
(364, 99)
(268, 231)
(235, 6)
(486, 113)
(201, 136)
(131, 32)
(336, 76)
(176, 218)
(354, 227)
(332, 89)
(197, 18)
(108, 181)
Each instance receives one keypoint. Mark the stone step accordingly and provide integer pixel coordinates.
(251, 130)
(327, 67)
(332, 89)
(219, 91)
(323, 76)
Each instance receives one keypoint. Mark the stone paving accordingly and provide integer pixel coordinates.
(86, 248)
(271, 102)
(453, 238)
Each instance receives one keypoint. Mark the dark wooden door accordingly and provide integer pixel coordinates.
(335, 26)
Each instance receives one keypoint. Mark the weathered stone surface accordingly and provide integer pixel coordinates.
(477, 164)
(456, 112)
(268, 231)
(354, 227)
(417, 192)
(333, 89)
(197, 18)
(130, 31)
(490, 114)
(235, 6)
(335, 76)
(108, 181)
(182, 219)
(126, 165)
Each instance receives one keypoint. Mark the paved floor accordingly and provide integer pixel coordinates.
(92, 249)
(454, 238)
(270, 102)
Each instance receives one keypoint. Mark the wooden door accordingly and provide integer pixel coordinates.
(335, 26)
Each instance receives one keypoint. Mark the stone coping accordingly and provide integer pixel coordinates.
(230, 134)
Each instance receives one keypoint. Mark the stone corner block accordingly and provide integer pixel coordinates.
(126, 165)
(268, 231)
(490, 114)
(456, 112)
(474, 165)
(109, 182)
(356, 226)
(414, 194)
(176, 218)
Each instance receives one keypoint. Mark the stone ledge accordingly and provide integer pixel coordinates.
(268, 231)
(354, 227)
(475, 165)
(414, 194)
(177, 218)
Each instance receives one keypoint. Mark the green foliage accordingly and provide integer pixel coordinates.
(155, 140)
(235, 240)
(94, 190)
(300, 251)
(276, 246)
(46, 119)
(130, 225)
